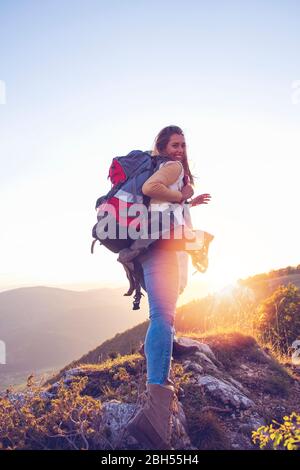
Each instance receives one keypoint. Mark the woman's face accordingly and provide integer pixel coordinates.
(176, 147)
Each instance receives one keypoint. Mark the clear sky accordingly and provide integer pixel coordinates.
(88, 80)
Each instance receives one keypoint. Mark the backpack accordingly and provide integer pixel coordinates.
(127, 175)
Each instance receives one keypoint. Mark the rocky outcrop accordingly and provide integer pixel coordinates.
(226, 388)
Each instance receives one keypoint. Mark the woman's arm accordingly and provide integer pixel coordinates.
(157, 185)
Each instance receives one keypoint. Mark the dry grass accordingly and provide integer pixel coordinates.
(204, 427)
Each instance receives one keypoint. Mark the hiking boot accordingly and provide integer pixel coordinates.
(179, 348)
(151, 426)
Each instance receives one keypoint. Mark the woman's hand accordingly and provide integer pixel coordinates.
(187, 192)
(201, 199)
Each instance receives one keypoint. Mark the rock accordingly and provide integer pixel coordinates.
(69, 380)
(235, 446)
(232, 381)
(183, 346)
(205, 349)
(115, 416)
(18, 398)
(225, 393)
(206, 361)
(47, 395)
(21, 398)
(241, 442)
(198, 347)
(252, 425)
(193, 367)
(73, 372)
(180, 438)
(249, 372)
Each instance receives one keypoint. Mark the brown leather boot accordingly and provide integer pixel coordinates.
(151, 426)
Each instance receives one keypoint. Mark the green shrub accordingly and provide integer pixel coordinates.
(278, 318)
(286, 435)
(68, 421)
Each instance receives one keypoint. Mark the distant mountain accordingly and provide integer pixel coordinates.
(46, 327)
(264, 286)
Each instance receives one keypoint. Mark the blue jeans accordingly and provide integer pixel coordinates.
(161, 281)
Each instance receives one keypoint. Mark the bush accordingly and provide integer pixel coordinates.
(278, 318)
(286, 435)
(31, 420)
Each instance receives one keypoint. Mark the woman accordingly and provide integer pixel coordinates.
(172, 183)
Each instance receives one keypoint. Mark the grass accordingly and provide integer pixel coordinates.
(276, 385)
(119, 378)
(211, 435)
(204, 428)
(128, 360)
(229, 347)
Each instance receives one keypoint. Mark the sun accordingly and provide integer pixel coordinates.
(221, 277)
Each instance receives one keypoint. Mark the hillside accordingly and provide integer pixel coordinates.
(122, 343)
(226, 388)
(264, 287)
(231, 309)
(46, 328)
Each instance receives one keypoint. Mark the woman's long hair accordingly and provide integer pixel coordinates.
(161, 141)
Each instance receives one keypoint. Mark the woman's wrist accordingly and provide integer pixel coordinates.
(185, 200)
(182, 199)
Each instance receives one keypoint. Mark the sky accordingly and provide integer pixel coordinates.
(84, 81)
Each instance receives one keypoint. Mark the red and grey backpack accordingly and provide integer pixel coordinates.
(127, 175)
